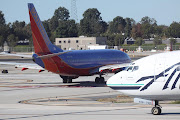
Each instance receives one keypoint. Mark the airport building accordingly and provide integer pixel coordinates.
(129, 41)
(165, 41)
(79, 43)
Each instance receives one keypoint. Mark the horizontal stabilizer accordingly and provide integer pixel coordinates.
(52, 55)
(23, 65)
(18, 55)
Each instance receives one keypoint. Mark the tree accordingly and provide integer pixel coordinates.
(4, 32)
(11, 39)
(161, 31)
(46, 27)
(53, 24)
(28, 33)
(137, 31)
(2, 20)
(128, 27)
(172, 41)
(148, 26)
(4, 29)
(147, 20)
(92, 23)
(72, 28)
(110, 39)
(19, 30)
(119, 39)
(61, 14)
(157, 41)
(117, 25)
(174, 30)
(67, 29)
(1, 40)
(62, 30)
(139, 41)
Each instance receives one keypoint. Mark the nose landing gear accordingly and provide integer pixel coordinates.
(157, 109)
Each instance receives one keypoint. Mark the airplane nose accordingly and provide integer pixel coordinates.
(111, 80)
(116, 79)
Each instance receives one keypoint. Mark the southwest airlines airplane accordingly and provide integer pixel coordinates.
(71, 64)
(155, 77)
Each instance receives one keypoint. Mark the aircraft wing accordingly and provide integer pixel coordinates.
(24, 66)
(19, 55)
(110, 68)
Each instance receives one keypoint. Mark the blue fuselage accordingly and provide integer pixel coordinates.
(82, 62)
(94, 58)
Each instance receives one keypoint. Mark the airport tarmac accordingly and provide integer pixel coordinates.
(29, 95)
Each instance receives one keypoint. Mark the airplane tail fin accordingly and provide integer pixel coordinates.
(42, 44)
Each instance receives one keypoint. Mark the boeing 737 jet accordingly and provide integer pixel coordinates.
(75, 63)
(154, 78)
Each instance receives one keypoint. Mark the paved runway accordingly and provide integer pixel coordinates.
(29, 95)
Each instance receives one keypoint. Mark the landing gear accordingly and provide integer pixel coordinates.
(4, 71)
(157, 109)
(99, 79)
(66, 79)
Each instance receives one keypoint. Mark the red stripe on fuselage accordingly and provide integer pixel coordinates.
(65, 69)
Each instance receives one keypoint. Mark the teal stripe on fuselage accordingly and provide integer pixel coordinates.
(125, 84)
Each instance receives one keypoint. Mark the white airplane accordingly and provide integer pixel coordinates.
(156, 77)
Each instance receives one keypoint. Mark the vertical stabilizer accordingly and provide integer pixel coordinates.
(42, 44)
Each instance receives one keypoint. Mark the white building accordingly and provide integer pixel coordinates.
(79, 43)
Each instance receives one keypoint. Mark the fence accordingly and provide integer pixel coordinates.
(21, 49)
(148, 48)
(129, 48)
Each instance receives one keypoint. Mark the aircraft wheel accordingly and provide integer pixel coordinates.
(4, 71)
(97, 80)
(69, 80)
(156, 110)
(65, 80)
(102, 80)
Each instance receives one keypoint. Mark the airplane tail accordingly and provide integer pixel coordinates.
(42, 44)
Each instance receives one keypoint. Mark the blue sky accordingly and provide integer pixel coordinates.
(164, 11)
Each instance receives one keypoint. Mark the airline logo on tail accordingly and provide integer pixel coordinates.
(42, 44)
(39, 23)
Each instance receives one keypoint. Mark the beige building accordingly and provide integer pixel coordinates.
(79, 43)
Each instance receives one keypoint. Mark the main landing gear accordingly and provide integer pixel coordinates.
(66, 79)
(157, 109)
(99, 79)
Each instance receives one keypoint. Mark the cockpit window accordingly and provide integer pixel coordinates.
(132, 68)
(178, 68)
(136, 68)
